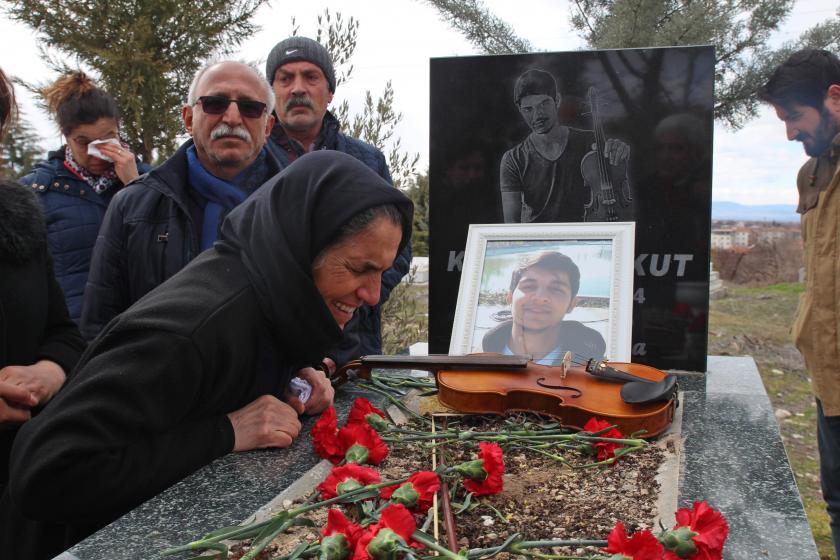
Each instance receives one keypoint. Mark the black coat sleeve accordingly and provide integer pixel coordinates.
(106, 291)
(62, 342)
(129, 424)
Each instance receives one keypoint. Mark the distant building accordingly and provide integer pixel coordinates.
(728, 238)
(721, 239)
(741, 237)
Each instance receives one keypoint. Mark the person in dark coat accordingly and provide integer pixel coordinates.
(161, 222)
(300, 70)
(200, 366)
(543, 289)
(77, 181)
(39, 344)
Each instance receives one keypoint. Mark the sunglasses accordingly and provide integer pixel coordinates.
(217, 105)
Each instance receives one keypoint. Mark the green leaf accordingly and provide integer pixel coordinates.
(299, 549)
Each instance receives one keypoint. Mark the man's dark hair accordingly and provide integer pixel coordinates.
(534, 82)
(551, 261)
(803, 79)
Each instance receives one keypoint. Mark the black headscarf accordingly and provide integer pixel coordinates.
(287, 222)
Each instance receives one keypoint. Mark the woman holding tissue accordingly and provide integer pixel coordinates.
(77, 181)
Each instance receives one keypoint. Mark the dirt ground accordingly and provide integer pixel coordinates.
(756, 322)
(543, 499)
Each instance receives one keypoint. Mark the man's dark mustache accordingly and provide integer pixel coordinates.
(298, 102)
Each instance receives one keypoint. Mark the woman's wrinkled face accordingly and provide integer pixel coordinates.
(84, 134)
(349, 274)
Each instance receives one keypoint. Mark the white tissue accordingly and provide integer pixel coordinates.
(93, 150)
(302, 388)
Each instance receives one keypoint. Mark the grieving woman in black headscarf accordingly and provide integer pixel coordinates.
(199, 367)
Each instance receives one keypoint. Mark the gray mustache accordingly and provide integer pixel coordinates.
(225, 130)
(302, 101)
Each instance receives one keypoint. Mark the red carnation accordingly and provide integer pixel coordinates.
(699, 534)
(360, 413)
(395, 527)
(346, 478)
(605, 449)
(362, 444)
(325, 437)
(640, 546)
(416, 493)
(493, 467)
(338, 524)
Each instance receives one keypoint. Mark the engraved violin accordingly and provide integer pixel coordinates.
(609, 194)
(635, 397)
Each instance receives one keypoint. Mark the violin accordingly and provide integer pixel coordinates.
(606, 202)
(572, 394)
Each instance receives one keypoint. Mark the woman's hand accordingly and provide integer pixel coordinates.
(322, 392)
(15, 404)
(266, 422)
(42, 379)
(125, 164)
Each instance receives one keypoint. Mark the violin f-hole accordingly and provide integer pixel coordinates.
(574, 390)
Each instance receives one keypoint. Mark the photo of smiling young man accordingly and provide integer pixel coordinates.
(536, 318)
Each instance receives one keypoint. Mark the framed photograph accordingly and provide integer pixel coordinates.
(545, 289)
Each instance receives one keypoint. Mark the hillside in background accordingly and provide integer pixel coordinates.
(722, 210)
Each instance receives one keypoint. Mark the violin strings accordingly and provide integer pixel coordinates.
(577, 360)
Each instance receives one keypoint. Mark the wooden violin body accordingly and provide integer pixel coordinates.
(572, 399)
(497, 384)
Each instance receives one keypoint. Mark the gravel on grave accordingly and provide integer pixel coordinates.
(542, 498)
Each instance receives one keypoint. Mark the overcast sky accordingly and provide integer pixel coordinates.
(756, 165)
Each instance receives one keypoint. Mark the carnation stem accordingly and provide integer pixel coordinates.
(247, 531)
(395, 401)
(433, 544)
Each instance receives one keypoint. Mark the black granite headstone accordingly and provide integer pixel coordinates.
(511, 138)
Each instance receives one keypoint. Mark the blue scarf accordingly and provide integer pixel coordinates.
(222, 196)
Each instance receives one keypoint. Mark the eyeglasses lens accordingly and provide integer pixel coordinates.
(216, 105)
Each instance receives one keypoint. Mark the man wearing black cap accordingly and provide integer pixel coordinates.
(541, 178)
(301, 73)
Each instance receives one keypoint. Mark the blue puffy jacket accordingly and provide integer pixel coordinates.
(368, 319)
(74, 213)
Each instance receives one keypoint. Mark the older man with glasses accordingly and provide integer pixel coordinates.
(168, 216)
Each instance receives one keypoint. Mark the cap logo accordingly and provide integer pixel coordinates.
(291, 51)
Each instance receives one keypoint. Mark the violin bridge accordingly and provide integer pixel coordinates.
(566, 365)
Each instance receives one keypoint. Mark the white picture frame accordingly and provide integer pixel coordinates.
(602, 251)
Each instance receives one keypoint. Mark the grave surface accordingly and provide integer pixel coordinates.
(732, 456)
